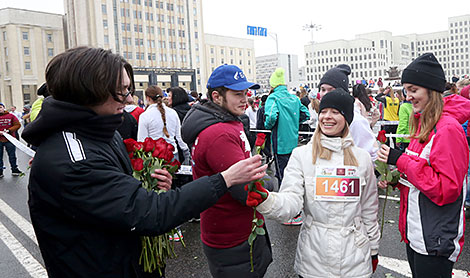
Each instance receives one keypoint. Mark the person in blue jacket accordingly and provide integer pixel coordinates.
(283, 114)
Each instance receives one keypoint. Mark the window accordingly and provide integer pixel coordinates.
(27, 65)
(26, 50)
(50, 52)
(6, 51)
(4, 35)
(106, 39)
(105, 24)
(25, 36)
(103, 8)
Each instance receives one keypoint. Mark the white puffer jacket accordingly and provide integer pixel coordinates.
(337, 238)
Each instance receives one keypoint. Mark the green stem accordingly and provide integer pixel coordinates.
(383, 212)
(253, 224)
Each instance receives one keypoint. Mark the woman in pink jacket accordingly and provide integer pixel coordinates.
(433, 170)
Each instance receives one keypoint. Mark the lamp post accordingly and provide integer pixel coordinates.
(311, 28)
(274, 36)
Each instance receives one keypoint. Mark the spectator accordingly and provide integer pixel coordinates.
(178, 101)
(391, 106)
(134, 110)
(9, 124)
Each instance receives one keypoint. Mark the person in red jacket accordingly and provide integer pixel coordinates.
(433, 169)
(8, 124)
(215, 132)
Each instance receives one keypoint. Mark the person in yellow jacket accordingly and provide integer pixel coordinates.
(391, 105)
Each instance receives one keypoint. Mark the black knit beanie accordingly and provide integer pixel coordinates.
(337, 77)
(425, 71)
(340, 100)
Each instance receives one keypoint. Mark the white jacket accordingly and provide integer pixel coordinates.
(362, 134)
(337, 238)
(151, 125)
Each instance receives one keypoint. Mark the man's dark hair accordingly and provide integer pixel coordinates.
(221, 90)
(86, 76)
(178, 96)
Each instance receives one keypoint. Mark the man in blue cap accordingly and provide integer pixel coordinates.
(216, 134)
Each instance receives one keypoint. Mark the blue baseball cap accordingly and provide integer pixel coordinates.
(230, 77)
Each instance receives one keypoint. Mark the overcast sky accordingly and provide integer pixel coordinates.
(340, 19)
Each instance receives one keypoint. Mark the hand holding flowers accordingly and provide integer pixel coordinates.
(154, 164)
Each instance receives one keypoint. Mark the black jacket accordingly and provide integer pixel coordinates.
(87, 210)
(129, 126)
(182, 109)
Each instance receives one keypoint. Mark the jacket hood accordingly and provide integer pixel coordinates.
(130, 107)
(457, 107)
(56, 116)
(200, 117)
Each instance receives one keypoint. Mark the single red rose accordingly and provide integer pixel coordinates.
(260, 138)
(130, 144)
(138, 146)
(255, 195)
(159, 150)
(381, 137)
(259, 186)
(175, 162)
(149, 144)
(137, 164)
(251, 203)
(167, 155)
(246, 187)
(170, 148)
(131, 155)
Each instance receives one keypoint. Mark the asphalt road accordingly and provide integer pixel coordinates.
(20, 256)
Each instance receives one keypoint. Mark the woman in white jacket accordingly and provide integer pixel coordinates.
(160, 121)
(337, 190)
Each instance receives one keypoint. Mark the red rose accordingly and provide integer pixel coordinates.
(149, 144)
(137, 164)
(131, 155)
(138, 146)
(381, 137)
(130, 144)
(167, 154)
(159, 150)
(175, 163)
(260, 138)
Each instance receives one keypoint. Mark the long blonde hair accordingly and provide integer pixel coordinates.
(429, 117)
(318, 151)
(156, 95)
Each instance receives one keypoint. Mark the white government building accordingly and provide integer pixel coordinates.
(29, 40)
(371, 55)
(266, 65)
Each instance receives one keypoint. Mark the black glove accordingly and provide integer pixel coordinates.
(393, 156)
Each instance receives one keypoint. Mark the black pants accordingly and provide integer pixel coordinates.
(425, 266)
(281, 161)
(235, 262)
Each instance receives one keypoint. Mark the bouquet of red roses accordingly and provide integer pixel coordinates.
(146, 157)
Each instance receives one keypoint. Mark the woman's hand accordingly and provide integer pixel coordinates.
(383, 184)
(164, 179)
(382, 154)
(244, 171)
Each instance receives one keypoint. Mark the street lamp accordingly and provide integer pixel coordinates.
(312, 28)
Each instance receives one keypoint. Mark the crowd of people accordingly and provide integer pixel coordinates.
(85, 204)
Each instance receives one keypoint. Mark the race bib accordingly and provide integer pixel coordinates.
(339, 184)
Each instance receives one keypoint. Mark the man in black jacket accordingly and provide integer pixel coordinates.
(87, 210)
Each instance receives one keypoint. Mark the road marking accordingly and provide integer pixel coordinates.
(34, 268)
(402, 267)
(389, 198)
(18, 220)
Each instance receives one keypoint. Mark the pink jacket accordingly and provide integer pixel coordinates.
(432, 218)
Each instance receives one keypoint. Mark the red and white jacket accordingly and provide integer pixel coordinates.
(433, 191)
